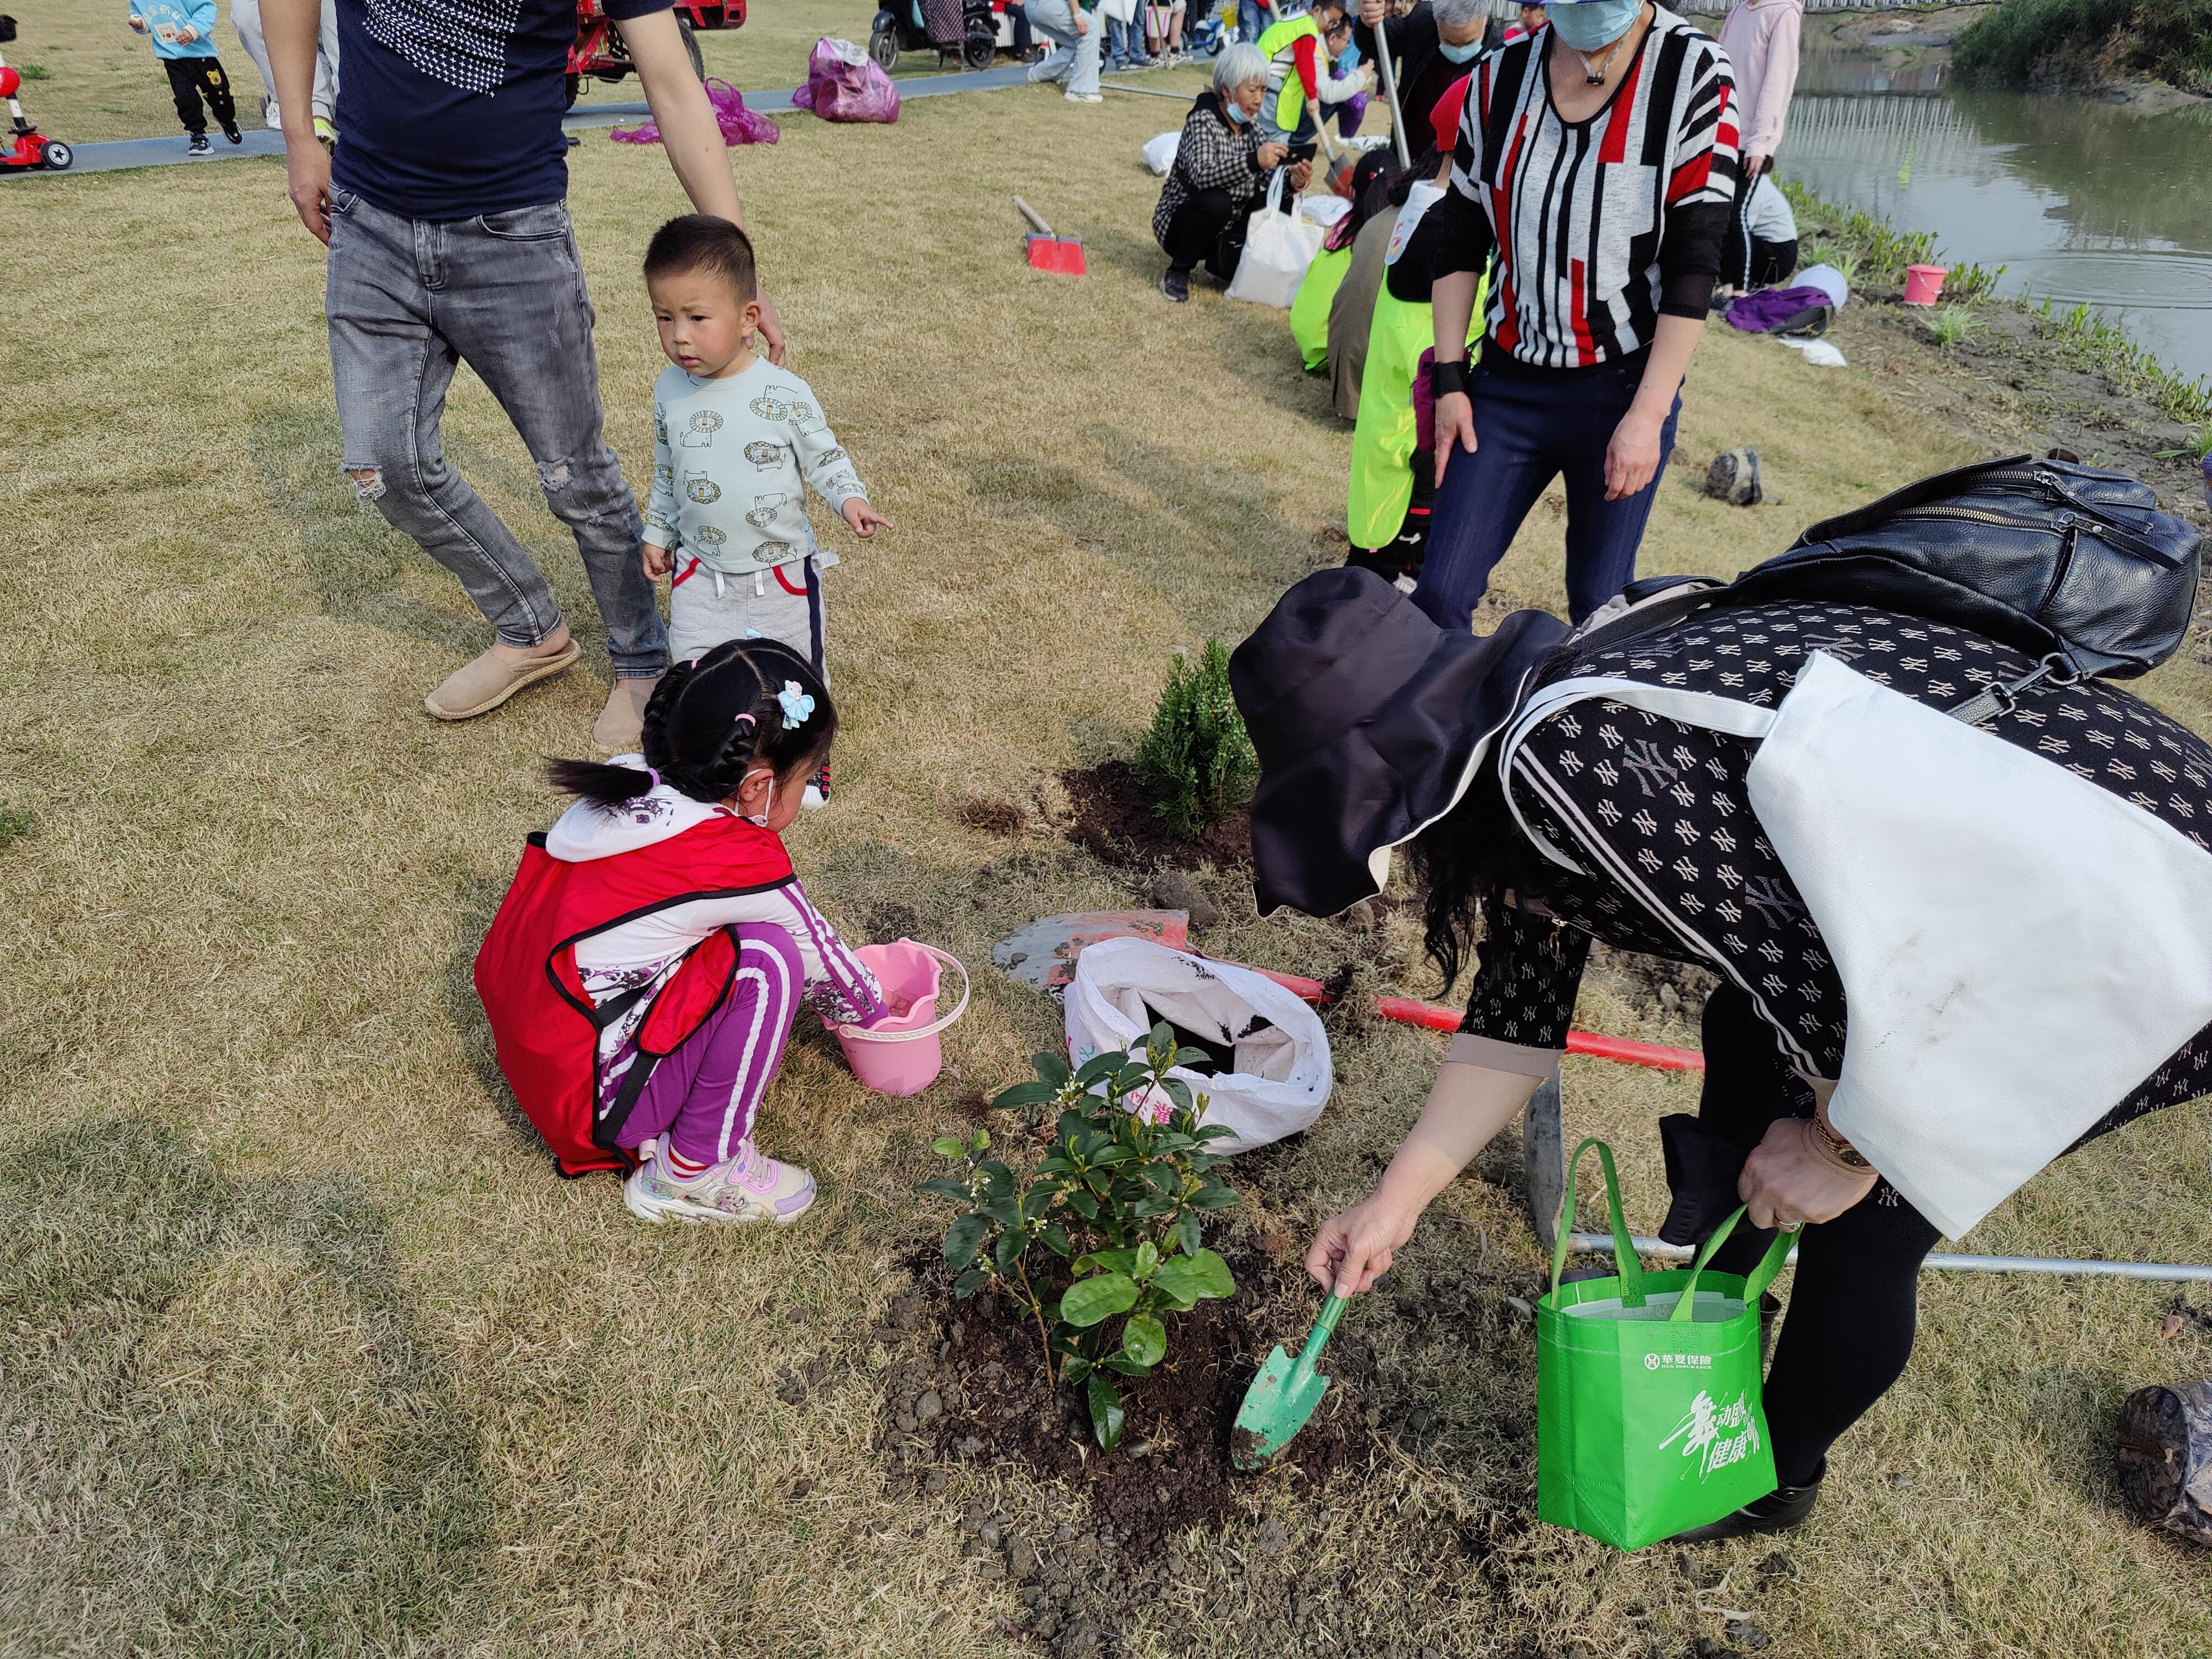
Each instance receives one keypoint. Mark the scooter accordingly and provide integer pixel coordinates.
(28, 148)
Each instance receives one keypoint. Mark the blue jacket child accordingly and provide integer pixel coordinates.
(182, 33)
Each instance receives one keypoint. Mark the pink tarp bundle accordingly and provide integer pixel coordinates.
(843, 83)
(739, 124)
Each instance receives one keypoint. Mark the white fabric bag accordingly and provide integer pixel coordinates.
(1160, 151)
(1278, 249)
(2019, 948)
(1123, 987)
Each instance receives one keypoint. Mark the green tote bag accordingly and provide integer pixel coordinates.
(1648, 1414)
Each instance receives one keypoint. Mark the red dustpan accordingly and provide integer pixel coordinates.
(1063, 255)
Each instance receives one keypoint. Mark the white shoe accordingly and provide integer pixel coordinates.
(1073, 97)
(743, 1189)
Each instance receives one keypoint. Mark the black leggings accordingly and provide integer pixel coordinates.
(1209, 226)
(1853, 1305)
(192, 79)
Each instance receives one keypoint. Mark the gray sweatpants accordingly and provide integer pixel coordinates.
(784, 604)
(246, 18)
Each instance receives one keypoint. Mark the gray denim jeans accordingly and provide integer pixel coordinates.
(407, 300)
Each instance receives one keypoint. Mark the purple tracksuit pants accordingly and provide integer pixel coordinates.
(704, 1096)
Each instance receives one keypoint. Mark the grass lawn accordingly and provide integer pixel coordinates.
(305, 1349)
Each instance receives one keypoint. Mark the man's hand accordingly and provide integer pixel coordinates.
(1270, 156)
(1370, 13)
(862, 518)
(1631, 457)
(307, 181)
(1787, 1180)
(659, 562)
(1455, 428)
(771, 327)
(1355, 1248)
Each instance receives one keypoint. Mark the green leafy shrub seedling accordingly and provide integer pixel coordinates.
(1106, 1227)
(1952, 326)
(1197, 760)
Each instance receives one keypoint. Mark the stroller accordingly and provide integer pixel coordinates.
(973, 31)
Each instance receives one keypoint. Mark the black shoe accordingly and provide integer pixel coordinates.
(199, 146)
(1175, 282)
(230, 131)
(1783, 1510)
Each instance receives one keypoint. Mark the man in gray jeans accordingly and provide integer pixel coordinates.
(450, 242)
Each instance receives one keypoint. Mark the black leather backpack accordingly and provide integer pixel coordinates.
(2074, 567)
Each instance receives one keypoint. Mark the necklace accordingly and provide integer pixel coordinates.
(1594, 74)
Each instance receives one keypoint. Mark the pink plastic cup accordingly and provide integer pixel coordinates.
(1924, 284)
(901, 1055)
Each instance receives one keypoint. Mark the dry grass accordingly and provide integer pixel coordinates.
(305, 1349)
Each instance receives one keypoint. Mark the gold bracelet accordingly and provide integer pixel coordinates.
(1838, 1150)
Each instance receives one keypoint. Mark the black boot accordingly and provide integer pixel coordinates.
(1783, 1510)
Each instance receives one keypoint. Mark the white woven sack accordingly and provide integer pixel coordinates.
(1123, 987)
(1160, 151)
(1278, 249)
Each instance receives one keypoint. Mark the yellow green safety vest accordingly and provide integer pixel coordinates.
(1310, 310)
(1383, 437)
(1283, 83)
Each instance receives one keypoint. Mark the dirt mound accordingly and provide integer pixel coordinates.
(972, 1392)
(1114, 822)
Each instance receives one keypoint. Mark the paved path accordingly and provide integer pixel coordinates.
(170, 151)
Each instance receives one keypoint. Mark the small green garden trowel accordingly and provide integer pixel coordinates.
(1282, 1397)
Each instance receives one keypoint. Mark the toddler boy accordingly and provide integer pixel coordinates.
(183, 33)
(737, 441)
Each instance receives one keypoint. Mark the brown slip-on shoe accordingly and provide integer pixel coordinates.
(620, 728)
(480, 684)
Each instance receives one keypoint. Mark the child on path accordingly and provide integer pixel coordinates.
(656, 947)
(737, 441)
(183, 33)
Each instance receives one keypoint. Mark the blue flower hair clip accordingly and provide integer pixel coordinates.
(798, 707)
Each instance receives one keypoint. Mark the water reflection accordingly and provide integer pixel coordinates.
(2081, 200)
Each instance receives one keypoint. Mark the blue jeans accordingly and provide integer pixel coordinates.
(1528, 432)
(1125, 42)
(1251, 21)
(409, 300)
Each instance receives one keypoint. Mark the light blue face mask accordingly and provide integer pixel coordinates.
(1587, 25)
(1465, 54)
(1231, 109)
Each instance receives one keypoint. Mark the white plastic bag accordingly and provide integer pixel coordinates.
(1323, 210)
(1278, 249)
(1160, 151)
(1123, 987)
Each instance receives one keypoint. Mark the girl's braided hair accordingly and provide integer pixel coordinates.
(712, 720)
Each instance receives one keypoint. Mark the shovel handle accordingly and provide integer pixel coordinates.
(1311, 1356)
(1034, 218)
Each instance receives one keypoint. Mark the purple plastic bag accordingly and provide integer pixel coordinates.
(739, 124)
(843, 83)
(1771, 309)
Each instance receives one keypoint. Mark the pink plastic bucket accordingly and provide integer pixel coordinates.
(1924, 284)
(901, 1055)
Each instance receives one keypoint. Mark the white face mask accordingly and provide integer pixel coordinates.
(769, 805)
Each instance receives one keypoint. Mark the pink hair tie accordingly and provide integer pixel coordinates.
(745, 720)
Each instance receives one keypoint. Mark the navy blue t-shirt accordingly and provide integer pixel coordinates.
(451, 108)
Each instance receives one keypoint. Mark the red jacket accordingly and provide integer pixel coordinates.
(545, 1027)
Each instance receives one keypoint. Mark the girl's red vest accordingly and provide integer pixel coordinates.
(545, 1027)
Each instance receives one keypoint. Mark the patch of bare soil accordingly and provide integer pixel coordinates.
(1876, 30)
(1114, 822)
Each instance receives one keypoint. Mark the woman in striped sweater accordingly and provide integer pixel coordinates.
(1597, 160)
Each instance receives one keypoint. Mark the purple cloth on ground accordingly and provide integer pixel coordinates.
(739, 124)
(705, 1096)
(1770, 307)
(839, 89)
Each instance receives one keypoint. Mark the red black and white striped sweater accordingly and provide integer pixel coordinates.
(1602, 226)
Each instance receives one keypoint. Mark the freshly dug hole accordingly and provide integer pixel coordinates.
(973, 1391)
(1114, 821)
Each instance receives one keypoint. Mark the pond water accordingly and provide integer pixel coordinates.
(2080, 200)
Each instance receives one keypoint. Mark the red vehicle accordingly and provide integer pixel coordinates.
(598, 50)
(26, 146)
